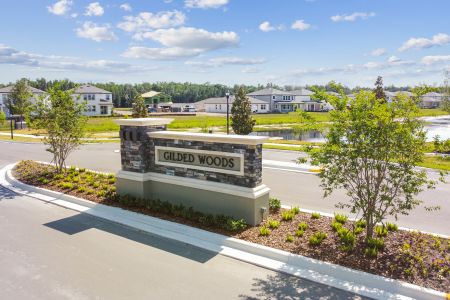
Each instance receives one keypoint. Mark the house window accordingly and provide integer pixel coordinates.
(107, 96)
(263, 106)
(92, 108)
(273, 97)
(85, 97)
(216, 106)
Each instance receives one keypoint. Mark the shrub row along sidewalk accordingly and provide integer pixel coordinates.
(409, 256)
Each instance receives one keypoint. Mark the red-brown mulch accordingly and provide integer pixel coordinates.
(409, 256)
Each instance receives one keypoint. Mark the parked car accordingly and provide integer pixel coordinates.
(151, 110)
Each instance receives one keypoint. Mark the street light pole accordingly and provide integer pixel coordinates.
(227, 94)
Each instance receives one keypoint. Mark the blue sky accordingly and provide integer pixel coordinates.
(227, 41)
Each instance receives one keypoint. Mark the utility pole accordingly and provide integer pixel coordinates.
(228, 112)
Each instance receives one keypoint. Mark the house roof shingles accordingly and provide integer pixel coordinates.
(90, 89)
(8, 89)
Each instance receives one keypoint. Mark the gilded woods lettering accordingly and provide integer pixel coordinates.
(196, 159)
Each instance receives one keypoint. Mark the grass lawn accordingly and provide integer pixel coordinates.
(436, 162)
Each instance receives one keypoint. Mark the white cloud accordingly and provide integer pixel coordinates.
(94, 9)
(60, 8)
(393, 59)
(378, 52)
(300, 25)
(250, 70)
(205, 3)
(266, 27)
(353, 17)
(439, 39)
(146, 21)
(169, 53)
(192, 38)
(126, 7)
(433, 59)
(181, 43)
(12, 56)
(226, 60)
(96, 32)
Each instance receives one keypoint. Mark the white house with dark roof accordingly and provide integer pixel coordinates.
(98, 101)
(6, 91)
(289, 101)
(219, 105)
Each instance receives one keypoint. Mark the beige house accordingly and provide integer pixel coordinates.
(6, 91)
(98, 101)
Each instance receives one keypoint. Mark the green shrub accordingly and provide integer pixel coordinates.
(43, 180)
(75, 179)
(95, 184)
(299, 233)
(289, 238)
(89, 191)
(82, 170)
(287, 216)
(101, 193)
(274, 204)
(207, 220)
(236, 225)
(361, 223)
(391, 226)
(373, 247)
(340, 218)
(67, 185)
(105, 187)
(317, 238)
(358, 230)
(315, 215)
(302, 226)
(111, 180)
(264, 231)
(111, 176)
(347, 239)
(381, 231)
(295, 210)
(58, 176)
(112, 189)
(72, 169)
(273, 224)
(81, 189)
(336, 226)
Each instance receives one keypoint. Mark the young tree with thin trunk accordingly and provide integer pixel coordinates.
(445, 104)
(139, 109)
(18, 101)
(241, 114)
(62, 118)
(371, 151)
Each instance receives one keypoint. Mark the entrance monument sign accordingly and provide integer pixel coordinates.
(213, 173)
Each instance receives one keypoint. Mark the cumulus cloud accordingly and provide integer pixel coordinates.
(226, 60)
(266, 27)
(9, 55)
(94, 9)
(378, 52)
(60, 8)
(96, 32)
(181, 43)
(300, 25)
(437, 40)
(205, 4)
(433, 59)
(148, 21)
(126, 7)
(353, 17)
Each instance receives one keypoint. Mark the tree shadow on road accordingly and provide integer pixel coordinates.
(6, 194)
(282, 286)
(81, 222)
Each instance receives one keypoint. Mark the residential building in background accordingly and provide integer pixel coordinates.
(431, 100)
(6, 91)
(219, 105)
(98, 101)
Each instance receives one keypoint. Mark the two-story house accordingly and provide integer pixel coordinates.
(98, 101)
(6, 91)
(431, 100)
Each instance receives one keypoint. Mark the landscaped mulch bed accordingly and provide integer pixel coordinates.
(409, 256)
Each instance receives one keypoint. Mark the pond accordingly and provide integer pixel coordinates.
(435, 126)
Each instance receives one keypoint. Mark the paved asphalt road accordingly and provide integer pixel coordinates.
(292, 188)
(49, 252)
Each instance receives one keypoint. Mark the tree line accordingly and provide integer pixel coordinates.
(124, 94)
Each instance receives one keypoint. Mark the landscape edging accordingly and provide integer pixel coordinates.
(344, 278)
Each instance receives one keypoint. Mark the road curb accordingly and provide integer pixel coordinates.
(343, 278)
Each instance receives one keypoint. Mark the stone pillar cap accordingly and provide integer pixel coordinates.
(208, 137)
(143, 121)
